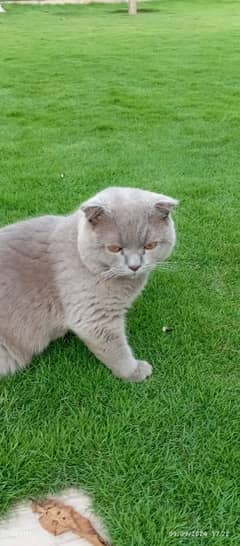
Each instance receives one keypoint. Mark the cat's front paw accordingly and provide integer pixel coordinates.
(142, 371)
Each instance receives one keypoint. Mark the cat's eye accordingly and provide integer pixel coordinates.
(150, 246)
(114, 248)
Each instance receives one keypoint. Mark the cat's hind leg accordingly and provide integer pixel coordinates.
(9, 364)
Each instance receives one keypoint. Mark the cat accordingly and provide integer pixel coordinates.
(80, 273)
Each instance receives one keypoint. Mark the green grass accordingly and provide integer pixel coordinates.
(154, 101)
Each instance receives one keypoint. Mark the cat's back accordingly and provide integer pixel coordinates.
(30, 312)
(24, 250)
(27, 231)
(26, 239)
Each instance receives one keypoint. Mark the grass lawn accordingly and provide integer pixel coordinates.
(90, 98)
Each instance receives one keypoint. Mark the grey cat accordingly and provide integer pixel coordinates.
(80, 273)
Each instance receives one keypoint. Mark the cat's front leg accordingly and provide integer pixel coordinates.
(109, 344)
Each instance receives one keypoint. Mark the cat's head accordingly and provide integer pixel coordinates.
(126, 231)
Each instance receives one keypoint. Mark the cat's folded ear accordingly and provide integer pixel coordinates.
(93, 213)
(164, 206)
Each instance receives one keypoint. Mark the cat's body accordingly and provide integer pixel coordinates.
(57, 273)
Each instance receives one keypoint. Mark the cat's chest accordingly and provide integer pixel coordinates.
(95, 300)
(117, 294)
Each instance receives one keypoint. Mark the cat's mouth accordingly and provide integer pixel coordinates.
(112, 273)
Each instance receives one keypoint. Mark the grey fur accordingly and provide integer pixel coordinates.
(57, 274)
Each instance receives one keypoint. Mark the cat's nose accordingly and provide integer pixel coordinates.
(134, 267)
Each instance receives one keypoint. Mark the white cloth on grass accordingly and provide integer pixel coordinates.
(21, 527)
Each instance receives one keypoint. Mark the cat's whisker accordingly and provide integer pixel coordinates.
(107, 275)
(165, 264)
(110, 274)
(160, 266)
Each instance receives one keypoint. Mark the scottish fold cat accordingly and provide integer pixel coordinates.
(81, 272)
